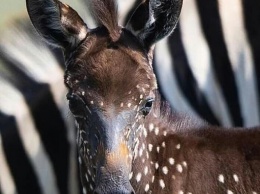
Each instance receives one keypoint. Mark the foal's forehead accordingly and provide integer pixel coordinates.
(111, 67)
(98, 46)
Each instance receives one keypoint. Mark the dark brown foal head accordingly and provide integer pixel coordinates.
(110, 81)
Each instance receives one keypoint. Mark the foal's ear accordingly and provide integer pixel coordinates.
(57, 23)
(154, 20)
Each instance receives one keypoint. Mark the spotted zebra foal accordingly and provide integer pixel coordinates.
(129, 141)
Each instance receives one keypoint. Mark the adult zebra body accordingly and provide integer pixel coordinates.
(211, 65)
(37, 151)
(207, 72)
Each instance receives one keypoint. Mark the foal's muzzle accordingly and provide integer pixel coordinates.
(119, 189)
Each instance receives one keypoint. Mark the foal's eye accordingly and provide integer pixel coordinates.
(147, 106)
(76, 104)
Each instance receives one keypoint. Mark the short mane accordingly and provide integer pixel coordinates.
(175, 121)
(106, 14)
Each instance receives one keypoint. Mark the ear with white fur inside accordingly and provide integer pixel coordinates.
(154, 20)
(57, 23)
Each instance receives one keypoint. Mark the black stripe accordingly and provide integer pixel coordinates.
(131, 11)
(186, 80)
(21, 169)
(211, 25)
(48, 121)
(251, 10)
(54, 136)
(58, 54)
(25, 28)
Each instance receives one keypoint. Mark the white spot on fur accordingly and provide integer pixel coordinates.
(163, 144)
(171, 161)
(162, 184)
(145, 170)
(156, 165)
(179, 168)
(152, 179)
(151, 126)
(235, 178)
(146, 187)
(165, 170)
(178, 146)
(221, 178)
(86, 176)
(156, 130)
(145, 133)
(140, 152)
(150, 147)
(229, 192)
(138, 177)
(84, 190)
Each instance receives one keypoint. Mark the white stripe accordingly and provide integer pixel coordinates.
(240, 55)
(36, 59)
(168, 79)
(200, 61)
(83, 9)
(7, 185)
(123, 7)
(13, 103)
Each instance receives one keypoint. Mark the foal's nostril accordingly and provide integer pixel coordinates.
(118, 192)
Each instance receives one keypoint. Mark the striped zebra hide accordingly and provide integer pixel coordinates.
(37, 136)
(210, 64)
(209, 68)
